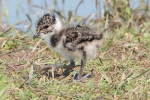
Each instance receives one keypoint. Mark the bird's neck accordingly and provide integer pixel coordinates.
(55, 39)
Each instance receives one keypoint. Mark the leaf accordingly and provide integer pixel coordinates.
(128, 11)
(30, 74)
(107, 78)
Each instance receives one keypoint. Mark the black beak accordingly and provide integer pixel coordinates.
(36, 35)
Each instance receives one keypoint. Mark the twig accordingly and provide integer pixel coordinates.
(73, 16)
(147, 16)
(78, 7)
(29, 17)
(11, 52)
(38, 53)
(5, 32)
(141, 74)
(36, 46)
(21, 22)
(30, 74)
(50, 10)
(30, 22)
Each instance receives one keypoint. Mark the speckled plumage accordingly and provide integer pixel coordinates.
(75, 42)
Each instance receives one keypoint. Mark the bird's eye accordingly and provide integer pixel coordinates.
(46, 26)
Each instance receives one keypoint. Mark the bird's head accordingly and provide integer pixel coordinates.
(47, 26)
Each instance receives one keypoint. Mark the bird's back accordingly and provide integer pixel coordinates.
(79, 38)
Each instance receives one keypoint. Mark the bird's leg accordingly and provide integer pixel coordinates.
(83, 62)
(71, 65)
(68, 67)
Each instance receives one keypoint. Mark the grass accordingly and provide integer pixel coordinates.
(121, 70)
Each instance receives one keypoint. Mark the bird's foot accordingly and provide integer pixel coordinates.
(76, 77)
(53, 68)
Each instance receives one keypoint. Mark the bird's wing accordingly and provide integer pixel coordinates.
(79, 35)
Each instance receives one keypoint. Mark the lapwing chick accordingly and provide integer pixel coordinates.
(77, 42)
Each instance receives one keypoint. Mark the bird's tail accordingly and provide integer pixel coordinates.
(101, 37)
(103, 31)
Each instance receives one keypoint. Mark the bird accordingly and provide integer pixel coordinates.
(75, 42)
